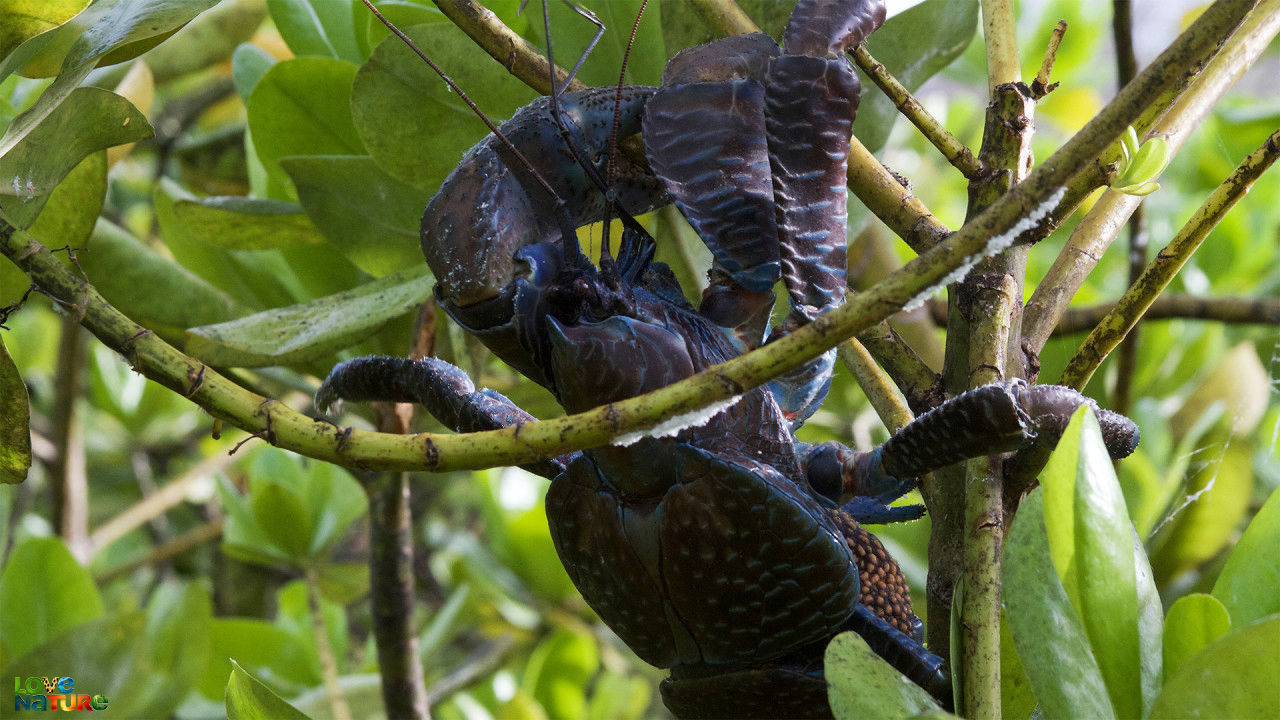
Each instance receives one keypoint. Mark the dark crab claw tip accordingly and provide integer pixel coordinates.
(827, 28)
(737, 56)
(583, 360)
(1120, 434)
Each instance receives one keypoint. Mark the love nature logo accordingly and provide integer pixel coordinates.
(53, 693)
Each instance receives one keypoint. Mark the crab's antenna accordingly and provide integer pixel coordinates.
(569, 138)
(611, 167)
(591, 18)
(515, 152)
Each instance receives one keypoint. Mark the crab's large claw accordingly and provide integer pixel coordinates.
(479, 230)
(752, 143)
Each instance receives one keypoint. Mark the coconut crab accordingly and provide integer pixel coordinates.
(721, 548)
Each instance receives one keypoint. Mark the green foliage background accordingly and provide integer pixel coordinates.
(271, 226)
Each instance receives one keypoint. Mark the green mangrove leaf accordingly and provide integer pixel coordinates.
(1092, 544)
(914, 46)
(119, 264)
(1249, 585)
(310, 330)
(21, 20)
(1194, 621)
(243, 223)
(300, 107)
(89, 120)
(860, 684)
(15, 421)
(559, 670)
(369, 216)
(119, 26)
(37, 612)
(1051, 641)
(207, 40)
(1234, 677)
(323, 28)
(249, 699)
(401, 107)
(252, 642)
(248, 64)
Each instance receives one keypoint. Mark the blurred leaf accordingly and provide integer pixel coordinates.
(44, 593)
(248, 64)
(283, 518)
(317, 27)
(15, 421)
(252, 642)
(344, 583)
(860, 684)
(243, 538)
(177, 632)
(300, 108)
(207, 40)
(103, 657)
(402, 13)
(117, 26)
(1218, 495)
(362, 691)
(1194, 621)
(521, 706)
(119, 264)
(1239, 382)
(1093, 549)
(243, 223)
(913, 46)
(311, 330)
(334, 500)
(400, 106)
(619, 697)
(1234, 677)
(558, 671)
(248, 699)
(571, 33)
(1249, 585)
(138, 86)
(253, 278)
(89, 120)
(683, 27)
(294, 614)
(1051, 642)
(21, 20)
(371, 217)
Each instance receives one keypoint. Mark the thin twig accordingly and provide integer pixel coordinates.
(192, 538)
(480, 663)
(876, 385)
(961, 157)
(324, 649)
(157, 503)
(1041, 85)
(1160, 272)
(1126, 68)
(1229, 310)
(524, 61)
(68, 479)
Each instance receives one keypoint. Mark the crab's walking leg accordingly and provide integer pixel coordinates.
(1000, 417)
(443, 389)
(904, 653)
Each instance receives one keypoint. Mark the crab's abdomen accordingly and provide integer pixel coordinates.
(732, 563)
